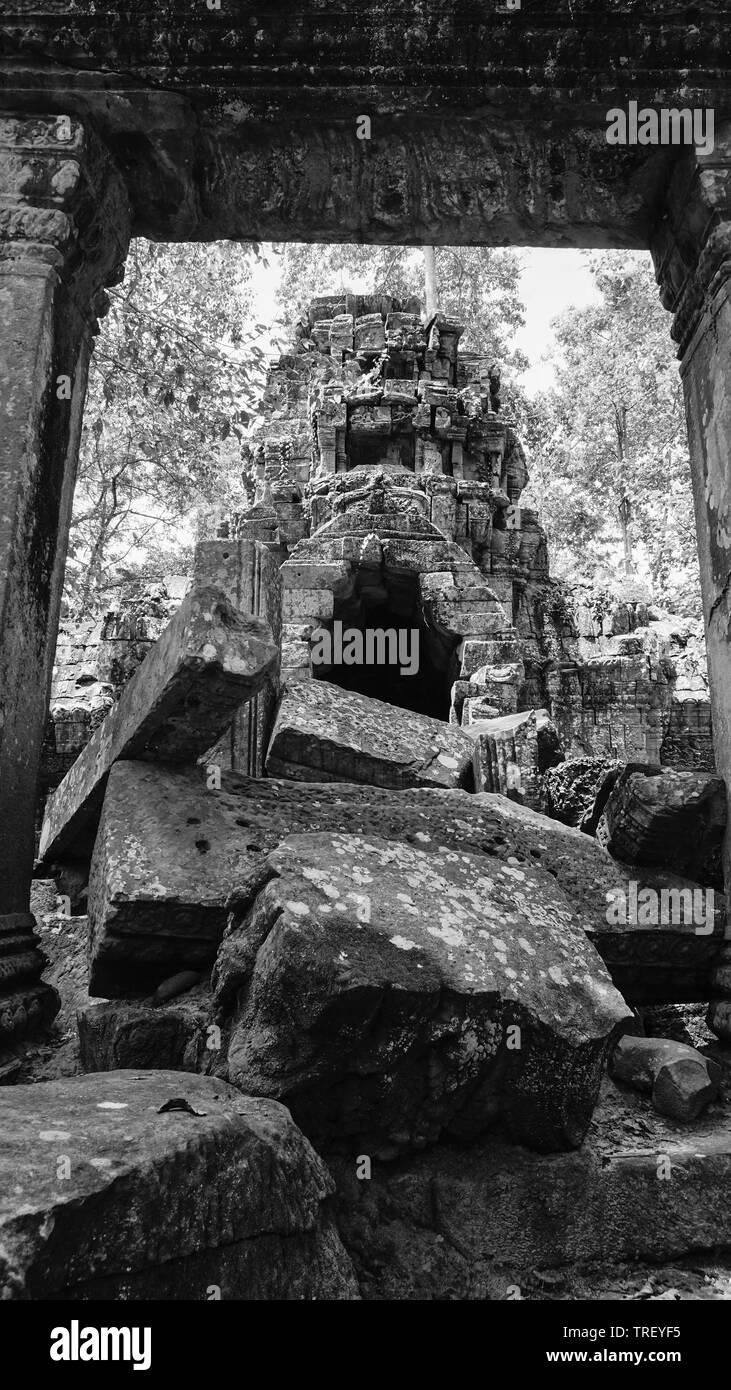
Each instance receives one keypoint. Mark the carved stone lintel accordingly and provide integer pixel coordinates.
(63, 205)
(692, 245)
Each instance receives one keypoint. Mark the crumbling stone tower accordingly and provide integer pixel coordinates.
(388, 491)
(388, 487)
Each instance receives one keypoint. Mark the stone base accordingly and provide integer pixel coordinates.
(26, 1003)
(473, 1223)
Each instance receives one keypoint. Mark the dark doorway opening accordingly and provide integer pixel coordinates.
(421, 663)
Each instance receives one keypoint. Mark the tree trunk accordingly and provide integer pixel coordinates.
(430, 280)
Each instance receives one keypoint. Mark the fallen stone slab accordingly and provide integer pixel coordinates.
(323, 733)
(174, 855)
(512, 753)
(661, 816)
(390, 996)
(158, 1185)
(681, 1080)
(208, 660)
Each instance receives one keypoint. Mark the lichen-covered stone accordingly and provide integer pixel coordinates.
(160, 1184)
(390, 995)
(208, 660)
(325, 734)
(172, 855)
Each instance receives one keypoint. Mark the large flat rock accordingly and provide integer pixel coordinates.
(390, 996)
(160, 1185)
(208, 660)
(323, 733)
(172, 855)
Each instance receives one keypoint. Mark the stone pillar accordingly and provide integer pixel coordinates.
(64, 231)
(692, 254)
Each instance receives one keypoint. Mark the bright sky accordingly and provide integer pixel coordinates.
(551, 282)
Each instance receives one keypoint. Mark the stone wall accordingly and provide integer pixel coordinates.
(622, 680)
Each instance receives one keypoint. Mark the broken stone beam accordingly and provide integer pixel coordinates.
(209, 659)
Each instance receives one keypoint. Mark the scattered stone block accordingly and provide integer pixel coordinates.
(129, 1222)
(478, 708)
(682, 1082)
(370, 333)
(208, 660)
(323, 733)
(481, 657)
(118, 1035)
(660, 816)
(249, 576)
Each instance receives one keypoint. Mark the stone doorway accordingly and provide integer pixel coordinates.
(420, 662)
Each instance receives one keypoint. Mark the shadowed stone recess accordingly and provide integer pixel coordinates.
(476, 1221)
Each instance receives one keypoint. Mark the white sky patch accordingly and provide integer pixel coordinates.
(551, 281)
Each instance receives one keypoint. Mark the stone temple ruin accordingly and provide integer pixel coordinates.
(363, 892)
(389, 979)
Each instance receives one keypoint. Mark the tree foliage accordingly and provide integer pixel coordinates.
(613, 428)
(173, 384)
(178, 369)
